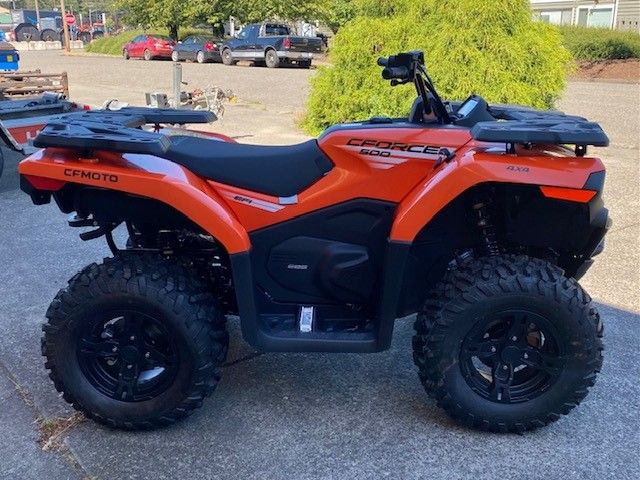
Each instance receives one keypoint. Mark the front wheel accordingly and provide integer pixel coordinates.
(271, 59)
(508, 343)
(136, 342)
(175, 57)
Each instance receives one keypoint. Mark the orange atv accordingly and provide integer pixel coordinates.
(479, 218)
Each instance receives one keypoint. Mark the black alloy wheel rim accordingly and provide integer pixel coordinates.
(511, 356)
(128, 355)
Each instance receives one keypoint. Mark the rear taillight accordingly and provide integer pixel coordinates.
(287, 43)
(210, 46)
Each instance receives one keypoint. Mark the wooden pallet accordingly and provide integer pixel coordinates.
(29, 83)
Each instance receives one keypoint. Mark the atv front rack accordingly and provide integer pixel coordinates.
(520, 125)
(116, 130)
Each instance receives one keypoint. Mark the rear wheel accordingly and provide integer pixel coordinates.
(147, 55)
(135, 342)
(175, 57)
(227, 57)
(200, 57)
(508, 343)
(125, 54)
(271, 59)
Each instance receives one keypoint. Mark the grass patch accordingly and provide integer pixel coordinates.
(586, 43)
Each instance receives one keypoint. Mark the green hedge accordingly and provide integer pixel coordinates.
(492, 48)
(600, 44)
(114, 45)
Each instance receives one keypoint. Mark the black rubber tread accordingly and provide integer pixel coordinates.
(484, 278)
(174, 289)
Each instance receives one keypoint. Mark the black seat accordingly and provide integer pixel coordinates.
(281, 171)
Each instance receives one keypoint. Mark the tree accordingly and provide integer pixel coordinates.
(169, 14)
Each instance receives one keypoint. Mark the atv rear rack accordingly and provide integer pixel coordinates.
(116, 130)
(520, 125)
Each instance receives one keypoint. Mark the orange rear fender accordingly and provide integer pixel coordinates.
(146, 176)
(474, 167)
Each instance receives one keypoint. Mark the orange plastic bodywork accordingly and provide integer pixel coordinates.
(146, 176)
(393, 164)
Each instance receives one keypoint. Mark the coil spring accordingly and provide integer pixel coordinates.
(487, 228)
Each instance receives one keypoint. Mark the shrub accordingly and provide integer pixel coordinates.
(586, 43)
(492, 48)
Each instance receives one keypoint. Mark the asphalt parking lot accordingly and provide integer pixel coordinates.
(315, 415)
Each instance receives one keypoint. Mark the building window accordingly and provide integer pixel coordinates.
(556, 17)
(600, 16)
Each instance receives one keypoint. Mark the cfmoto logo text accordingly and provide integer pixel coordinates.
(102, 177)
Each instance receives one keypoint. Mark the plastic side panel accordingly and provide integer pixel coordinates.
(146, 176)
(473, 168)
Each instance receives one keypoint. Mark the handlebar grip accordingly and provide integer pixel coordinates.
(383, 61)
(399, 73)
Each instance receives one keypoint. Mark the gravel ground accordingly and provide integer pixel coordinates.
(311, 416)
(269, 100)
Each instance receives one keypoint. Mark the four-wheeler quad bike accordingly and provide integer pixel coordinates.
(479, 218)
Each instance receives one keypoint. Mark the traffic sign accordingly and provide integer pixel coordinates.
(70, 19)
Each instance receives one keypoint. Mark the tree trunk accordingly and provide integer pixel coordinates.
(173, 31)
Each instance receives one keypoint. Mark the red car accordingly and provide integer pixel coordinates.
(149, 47)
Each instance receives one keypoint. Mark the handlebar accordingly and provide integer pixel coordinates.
(399, 73)
(408, 67)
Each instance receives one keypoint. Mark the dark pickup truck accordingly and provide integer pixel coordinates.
(270, 44)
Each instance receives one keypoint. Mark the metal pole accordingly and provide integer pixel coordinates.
(65, 27)
(37, 15)
(177, 84)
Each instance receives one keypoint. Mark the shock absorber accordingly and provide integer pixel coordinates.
(486, 227)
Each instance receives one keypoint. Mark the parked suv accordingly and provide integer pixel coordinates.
(149, 47)
(270, 44)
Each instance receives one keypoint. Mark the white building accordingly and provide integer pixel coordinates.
(620, 14)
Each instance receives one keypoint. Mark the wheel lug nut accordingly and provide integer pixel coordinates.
(132, 338)
(129, 366)
(147, 355)
(514, 338)
(114, 349)
(526, 355)
(504, 367)
(493, 349)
